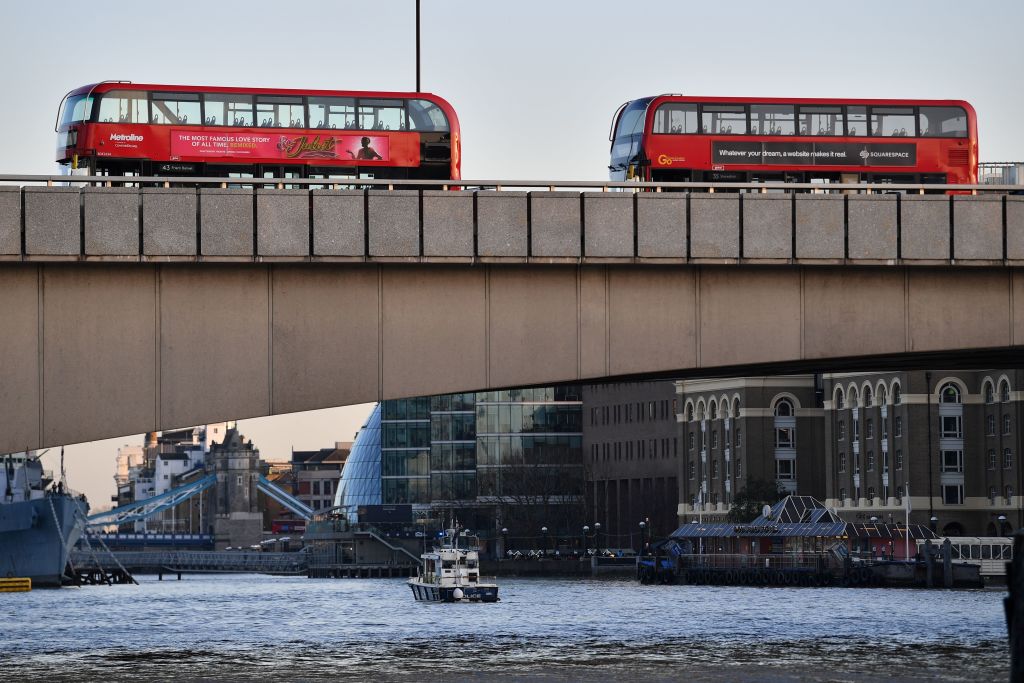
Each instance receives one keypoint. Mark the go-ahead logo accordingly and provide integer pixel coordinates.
(126, 137)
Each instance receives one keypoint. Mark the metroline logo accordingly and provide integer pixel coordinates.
(125, 137)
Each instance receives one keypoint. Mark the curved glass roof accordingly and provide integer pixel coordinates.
(360, 478)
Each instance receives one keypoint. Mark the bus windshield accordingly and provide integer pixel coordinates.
(76, 108)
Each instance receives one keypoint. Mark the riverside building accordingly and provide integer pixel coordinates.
(740, 430)
(952, 437)
(494, 460)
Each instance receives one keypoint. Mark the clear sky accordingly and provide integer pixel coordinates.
(535, 83)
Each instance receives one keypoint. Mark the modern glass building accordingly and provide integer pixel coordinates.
(360, 482)
(501, 459)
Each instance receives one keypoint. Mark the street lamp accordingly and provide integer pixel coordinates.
(643, 535)
(874, 520)
(544, 531)
(597, 538)
(504, 540)
(934, 521)
(1002, 521)
(586, 530)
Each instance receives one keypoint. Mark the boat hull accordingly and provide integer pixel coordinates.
(426, 592)
(35, 545)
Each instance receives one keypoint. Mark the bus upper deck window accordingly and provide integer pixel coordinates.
(382, 115)
(123, 106)
(676, 118)
(332, 112)
(723, 119)
(821, 121)
(175, 108)
(772, 119)
(77, 108)
(280, 112)
(228, 110)
(857, 121)
(943, 122)
(893, 122)
(424, 115)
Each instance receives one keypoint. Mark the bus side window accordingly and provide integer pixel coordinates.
(986, 552)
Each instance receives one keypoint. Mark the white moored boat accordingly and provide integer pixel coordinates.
(451, 573)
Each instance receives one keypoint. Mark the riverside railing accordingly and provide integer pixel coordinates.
(163, 219)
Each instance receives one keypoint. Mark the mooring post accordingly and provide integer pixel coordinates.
(179, 576)
(929, 564)
(1014, 606)
(947, 564)
(159, 576)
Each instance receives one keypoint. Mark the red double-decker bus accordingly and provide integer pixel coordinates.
(745, 139)
(122, 128)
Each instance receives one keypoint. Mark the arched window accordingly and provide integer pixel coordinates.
(736, 408)
(853, 397)
(867, 397)
(784, 408)
(881, 395)
(1004, 391)
(897, 394)
(950, 393)
(712, 411)
(840, 399)
(990, 395)
(689, 412)
(700, 410)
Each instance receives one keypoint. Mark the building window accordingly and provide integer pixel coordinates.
(952, 461)
(899, 495)
(714, 469)
(784, 437)
(1006, 425)
(316, 488)
(991, 460)
(871, 461)
(950, 393)
(897, 395)
(1004, 392)
(871, 493)
(1009, 494)
(898, 426)
(899, 459)
(842, 462)
(869, 428)
(692, 469)
(691, 441)
(990, 395)
(990, 425)
(714, 439)
(1007, 458)
(842, 496)
(784, 408)
(785, 469)
(953, 494)
(952, 427)
(993, 492)
(841, 430)
(840, 399)
(739, 468)
(739, 443)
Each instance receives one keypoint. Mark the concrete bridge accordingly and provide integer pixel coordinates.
(133, 309)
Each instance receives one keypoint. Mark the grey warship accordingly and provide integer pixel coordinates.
(40, 521)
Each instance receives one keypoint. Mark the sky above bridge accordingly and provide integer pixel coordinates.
(535, 83)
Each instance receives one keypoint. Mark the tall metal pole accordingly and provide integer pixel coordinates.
(417, 45)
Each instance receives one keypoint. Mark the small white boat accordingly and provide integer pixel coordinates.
(451, 573)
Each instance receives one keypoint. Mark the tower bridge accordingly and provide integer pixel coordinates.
(149, 307)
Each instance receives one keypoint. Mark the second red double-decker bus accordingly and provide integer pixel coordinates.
(121, 128)
(743, 139)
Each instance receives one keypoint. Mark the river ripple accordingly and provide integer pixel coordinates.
(284, 628)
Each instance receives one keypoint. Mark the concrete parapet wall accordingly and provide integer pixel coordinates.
(238, 224)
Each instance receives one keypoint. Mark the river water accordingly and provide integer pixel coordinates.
(265, 628)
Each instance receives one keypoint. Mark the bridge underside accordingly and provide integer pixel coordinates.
(91, 350)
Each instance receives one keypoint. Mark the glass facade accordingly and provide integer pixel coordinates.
(492, 458)
(360, 482)
(405, 451)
